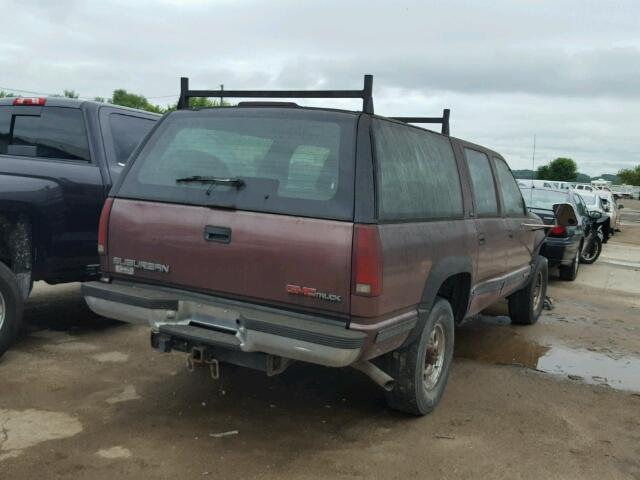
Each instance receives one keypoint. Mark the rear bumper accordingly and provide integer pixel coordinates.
(203, 320)
(560, 251)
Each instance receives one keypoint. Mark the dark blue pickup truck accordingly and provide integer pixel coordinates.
(58, 160)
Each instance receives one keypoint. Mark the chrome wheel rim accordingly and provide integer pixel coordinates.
(576, 263)
(434, 357)
(2, 310)
(537, 291)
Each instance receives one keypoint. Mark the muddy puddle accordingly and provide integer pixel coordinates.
(494, 340)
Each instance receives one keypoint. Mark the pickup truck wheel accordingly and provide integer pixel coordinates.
(570, 272)
(10, 308)
(421, 369)
(525, 305)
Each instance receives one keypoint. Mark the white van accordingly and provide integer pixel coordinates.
(583, 187)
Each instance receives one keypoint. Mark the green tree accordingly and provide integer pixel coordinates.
(630, 176)
(200, 102)
(133, 100)
(612, 178)
(126, 99)
(4, 94)
(70, 94)
(560, 169)
(583, 178)
(543, 172)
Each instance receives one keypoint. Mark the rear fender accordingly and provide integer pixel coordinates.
(445, 268)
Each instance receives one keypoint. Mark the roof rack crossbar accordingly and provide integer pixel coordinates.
(366, 94)
(444, 120)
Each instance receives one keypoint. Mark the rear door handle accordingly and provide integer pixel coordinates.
(217, 234)
(482, 239)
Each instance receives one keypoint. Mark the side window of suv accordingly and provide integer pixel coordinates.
(417, 174)
(484, 190)
(127, 131)
(512, 202)
(54, 132)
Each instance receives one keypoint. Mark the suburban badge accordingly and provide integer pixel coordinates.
(129, 265)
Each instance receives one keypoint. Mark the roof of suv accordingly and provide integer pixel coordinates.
(291, 105)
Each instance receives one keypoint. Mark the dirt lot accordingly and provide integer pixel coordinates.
(84, 397)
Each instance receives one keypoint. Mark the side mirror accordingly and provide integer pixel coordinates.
(565, 214)
(595, 215)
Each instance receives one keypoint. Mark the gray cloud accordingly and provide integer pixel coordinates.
(568, 71)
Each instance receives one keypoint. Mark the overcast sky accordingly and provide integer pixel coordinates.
(567, 71)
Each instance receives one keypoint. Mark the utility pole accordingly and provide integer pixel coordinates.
(533, 158)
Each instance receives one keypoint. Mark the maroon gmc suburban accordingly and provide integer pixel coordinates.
(267, 233)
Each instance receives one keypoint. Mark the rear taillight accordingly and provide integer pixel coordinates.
(367, 267)
(103, 226)
(558, 231)
(30, 101)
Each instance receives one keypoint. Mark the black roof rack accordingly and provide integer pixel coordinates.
(444, 120)
(366, 94)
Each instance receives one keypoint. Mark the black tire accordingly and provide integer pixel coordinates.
(589, 257)
(407, 365)
(10, 308)
(570, 272)
(525, 305)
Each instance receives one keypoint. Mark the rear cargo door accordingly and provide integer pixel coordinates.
(249, 203)
(266, 258)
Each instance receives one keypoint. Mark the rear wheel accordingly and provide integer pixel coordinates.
(592, 251)
(10, 308)
(570, 272)
(525, 305)
(421, 369)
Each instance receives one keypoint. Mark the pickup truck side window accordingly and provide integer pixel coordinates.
(127, 131)
(484, 189)
(56, 133)
(512, 202)
(417, 174)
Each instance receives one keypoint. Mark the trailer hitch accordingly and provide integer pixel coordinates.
(197, 356)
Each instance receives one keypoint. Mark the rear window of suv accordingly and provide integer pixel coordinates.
(292, 161)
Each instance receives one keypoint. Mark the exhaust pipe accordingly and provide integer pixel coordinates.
(375, 374)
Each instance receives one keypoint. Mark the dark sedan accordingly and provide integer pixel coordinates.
(563, 245)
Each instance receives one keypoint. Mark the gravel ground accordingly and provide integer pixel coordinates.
(85, 397)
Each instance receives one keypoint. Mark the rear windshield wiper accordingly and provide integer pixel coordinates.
(232, 182)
